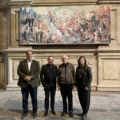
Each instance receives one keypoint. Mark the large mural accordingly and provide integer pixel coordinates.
(65, 25)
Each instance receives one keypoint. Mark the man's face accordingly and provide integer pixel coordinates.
(29, 55)
(64, 59)
(50, 60)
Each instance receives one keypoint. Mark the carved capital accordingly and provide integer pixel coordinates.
(15, 3)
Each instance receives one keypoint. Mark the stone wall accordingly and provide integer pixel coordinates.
(104, 59)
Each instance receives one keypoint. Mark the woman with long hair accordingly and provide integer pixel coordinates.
(83, 84)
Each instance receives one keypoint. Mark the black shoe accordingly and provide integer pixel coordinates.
(63, 113)
(45, 113)
(34, 114)
(84, 117)
(24, 115)
(71, 114)
(53, 112)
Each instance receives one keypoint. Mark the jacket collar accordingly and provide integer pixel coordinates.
(65, 64)
(49, 65)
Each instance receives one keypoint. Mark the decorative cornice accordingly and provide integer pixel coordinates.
(108, 1)
(62, 2)
(18, 3)
(50, 50)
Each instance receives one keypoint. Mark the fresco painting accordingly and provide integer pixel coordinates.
(65, 25)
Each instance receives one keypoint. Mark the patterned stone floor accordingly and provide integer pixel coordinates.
(104, 106)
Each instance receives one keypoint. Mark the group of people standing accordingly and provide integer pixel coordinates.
(64, 77)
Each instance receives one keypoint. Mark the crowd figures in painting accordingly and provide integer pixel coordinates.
(65, 25)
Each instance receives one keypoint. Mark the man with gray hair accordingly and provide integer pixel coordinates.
(66, 82)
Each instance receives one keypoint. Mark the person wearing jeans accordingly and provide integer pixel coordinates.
(28, 72)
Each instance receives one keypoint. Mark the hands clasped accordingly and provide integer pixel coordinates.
(27, 78)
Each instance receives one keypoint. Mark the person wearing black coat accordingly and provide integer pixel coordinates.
(83, 80)
(48, 77)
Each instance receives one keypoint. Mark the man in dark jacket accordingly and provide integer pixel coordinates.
(28, 72)
(66, 82)
(48, 78)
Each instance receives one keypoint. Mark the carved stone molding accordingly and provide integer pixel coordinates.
(14, 3)
(15, 55)
(62, 2)
(18, 3)
(108, 72)
(108, 1)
